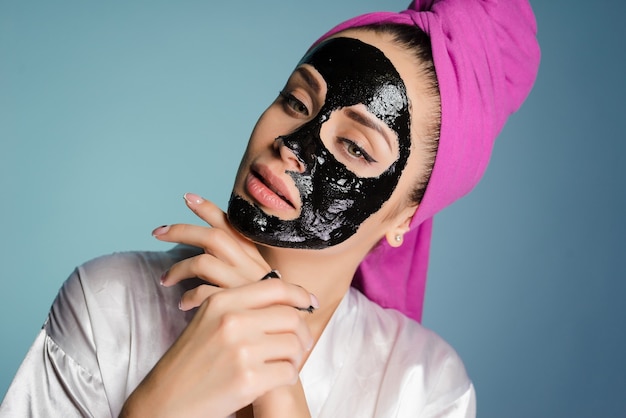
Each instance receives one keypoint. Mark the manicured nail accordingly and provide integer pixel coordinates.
(160, 230)
(192, 199)
(314, 302)
(180, 304)
(163, 276)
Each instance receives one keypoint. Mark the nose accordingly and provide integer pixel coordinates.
(288, 154)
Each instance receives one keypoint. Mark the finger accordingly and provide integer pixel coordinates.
(214, 216)
(289, 327)
(213, 241)
(216, 242)
(266, 348)
(237, 327)
(207, 211)
(195, 297)
(282, 347)
(263, 294)
(206, 267)
(254, 310)
(267, 322)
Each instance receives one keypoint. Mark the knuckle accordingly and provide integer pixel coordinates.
(292, 318)
(181, 228)
(278, 288)
(214, 239)
(217, 235)
(217, 302)
(242, 354)
(295, 344)
(213, 208)
(200, 263)
(229, 324)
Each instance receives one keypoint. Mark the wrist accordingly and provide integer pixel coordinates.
(285, 401)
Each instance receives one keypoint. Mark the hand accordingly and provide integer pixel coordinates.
(214, 216)
(245, 341)
(229, 259)
(286, 401)
(242, 343)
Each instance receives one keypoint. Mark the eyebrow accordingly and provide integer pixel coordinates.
(369, 123)
(309, 79)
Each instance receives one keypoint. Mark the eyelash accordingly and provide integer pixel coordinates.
(289, 101)
(347, 143)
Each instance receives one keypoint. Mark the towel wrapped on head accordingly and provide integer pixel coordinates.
(486, 58)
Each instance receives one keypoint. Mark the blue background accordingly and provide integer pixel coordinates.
(110, 111)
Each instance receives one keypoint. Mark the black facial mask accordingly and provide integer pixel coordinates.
(335, 201)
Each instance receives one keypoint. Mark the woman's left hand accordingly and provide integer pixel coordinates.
(214, 216)
(229, 260)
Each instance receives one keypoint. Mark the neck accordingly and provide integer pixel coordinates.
(325, 273)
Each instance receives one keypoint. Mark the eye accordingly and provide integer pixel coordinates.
(356, 151)
(294, 104)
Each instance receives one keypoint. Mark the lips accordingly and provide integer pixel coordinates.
(268, 189)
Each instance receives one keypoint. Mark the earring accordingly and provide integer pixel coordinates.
(395, 240)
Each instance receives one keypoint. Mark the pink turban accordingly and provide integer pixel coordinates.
(486, 58)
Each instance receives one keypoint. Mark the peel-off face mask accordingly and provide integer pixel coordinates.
(335, 201)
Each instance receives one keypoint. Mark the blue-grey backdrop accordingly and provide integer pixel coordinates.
(110, 111)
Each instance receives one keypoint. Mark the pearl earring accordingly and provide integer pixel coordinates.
(398, 238)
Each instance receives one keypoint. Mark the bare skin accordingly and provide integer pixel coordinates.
(246, 342)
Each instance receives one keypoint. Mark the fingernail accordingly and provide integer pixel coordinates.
(192, 199)
(314, 302)
(163, 276)
(180, 305)
(160, 230)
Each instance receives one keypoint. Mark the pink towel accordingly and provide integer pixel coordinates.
(486, 58)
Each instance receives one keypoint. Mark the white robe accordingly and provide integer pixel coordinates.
(112, 321)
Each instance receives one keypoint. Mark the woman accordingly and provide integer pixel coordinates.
(388, 118)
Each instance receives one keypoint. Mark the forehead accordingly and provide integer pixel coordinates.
(357, 72)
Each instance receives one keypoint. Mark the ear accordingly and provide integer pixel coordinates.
(396, 233)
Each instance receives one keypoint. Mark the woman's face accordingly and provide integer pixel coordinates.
(329, 154)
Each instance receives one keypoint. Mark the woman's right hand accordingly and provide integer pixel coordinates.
(242, 343)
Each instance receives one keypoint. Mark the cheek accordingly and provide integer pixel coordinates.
(261, 129)
(274, 123)
(262, 135)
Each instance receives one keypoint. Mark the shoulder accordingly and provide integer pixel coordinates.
(114, 279)
(103, 299)
(110, 277)
(123, 273)
(118, 268)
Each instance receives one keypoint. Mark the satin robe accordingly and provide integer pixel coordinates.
(112, 321)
